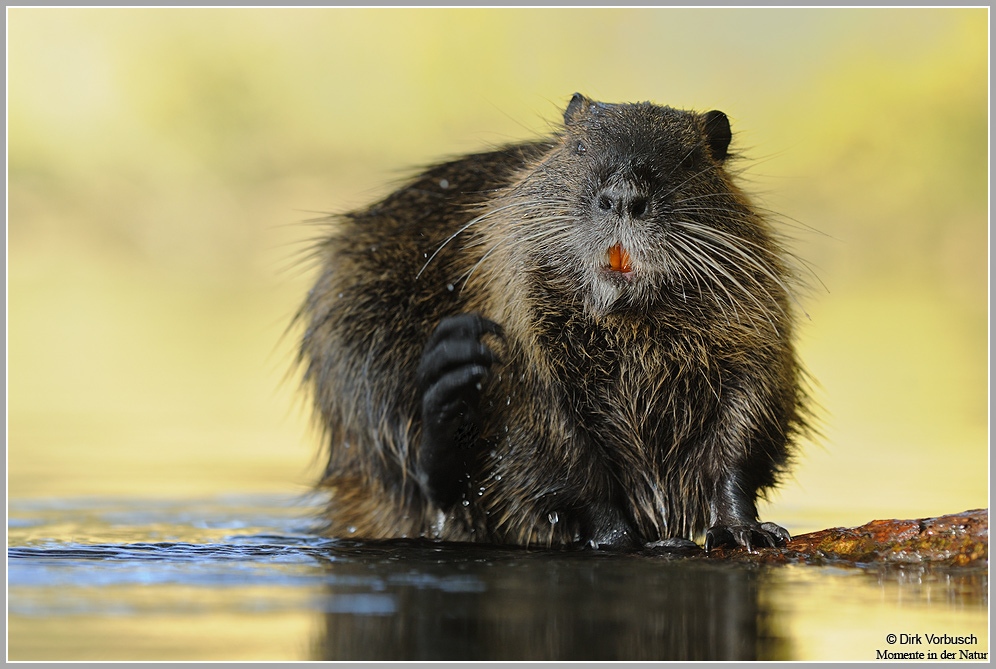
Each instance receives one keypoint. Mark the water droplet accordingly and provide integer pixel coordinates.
(466, 502)
(449, 287)
(508, 400)
(497, 477)
(340, 294)
(351, 529)
(553, 518)
(477, 385)
(443, 183)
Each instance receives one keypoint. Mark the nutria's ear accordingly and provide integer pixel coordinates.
(579, 105)
(718, 134)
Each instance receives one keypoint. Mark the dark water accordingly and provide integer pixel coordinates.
(241, 578)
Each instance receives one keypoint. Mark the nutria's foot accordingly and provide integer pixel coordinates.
(450, 376)
(749, 536)
(673, 546)
(607, 527)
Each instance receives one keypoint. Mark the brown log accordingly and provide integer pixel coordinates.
(960, 539)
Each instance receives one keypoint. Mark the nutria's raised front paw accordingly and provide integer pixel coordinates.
(454, 365)
(749, 536)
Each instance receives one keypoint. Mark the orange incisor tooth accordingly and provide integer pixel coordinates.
(619, 259)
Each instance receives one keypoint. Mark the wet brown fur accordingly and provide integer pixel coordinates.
(612, 403)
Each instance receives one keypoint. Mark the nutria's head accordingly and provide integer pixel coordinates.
(634, 211)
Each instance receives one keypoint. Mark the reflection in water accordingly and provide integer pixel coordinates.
(136, 580)
(409, 600)
(474, 603)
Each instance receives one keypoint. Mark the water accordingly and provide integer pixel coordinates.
(241, 578)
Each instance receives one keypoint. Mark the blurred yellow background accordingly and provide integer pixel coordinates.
(162, 165)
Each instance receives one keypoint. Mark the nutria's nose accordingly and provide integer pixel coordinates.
(623, 199)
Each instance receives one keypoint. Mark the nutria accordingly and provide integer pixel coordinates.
(582, 340)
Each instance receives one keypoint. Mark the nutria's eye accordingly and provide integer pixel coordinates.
(581, 148)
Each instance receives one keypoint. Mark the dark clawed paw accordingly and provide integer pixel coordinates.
(454, 366)
(780, 534)
(673, 546)
(456, 343)
(763, 535)
(453, 397)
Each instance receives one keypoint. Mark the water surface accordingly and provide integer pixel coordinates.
(242, 578)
